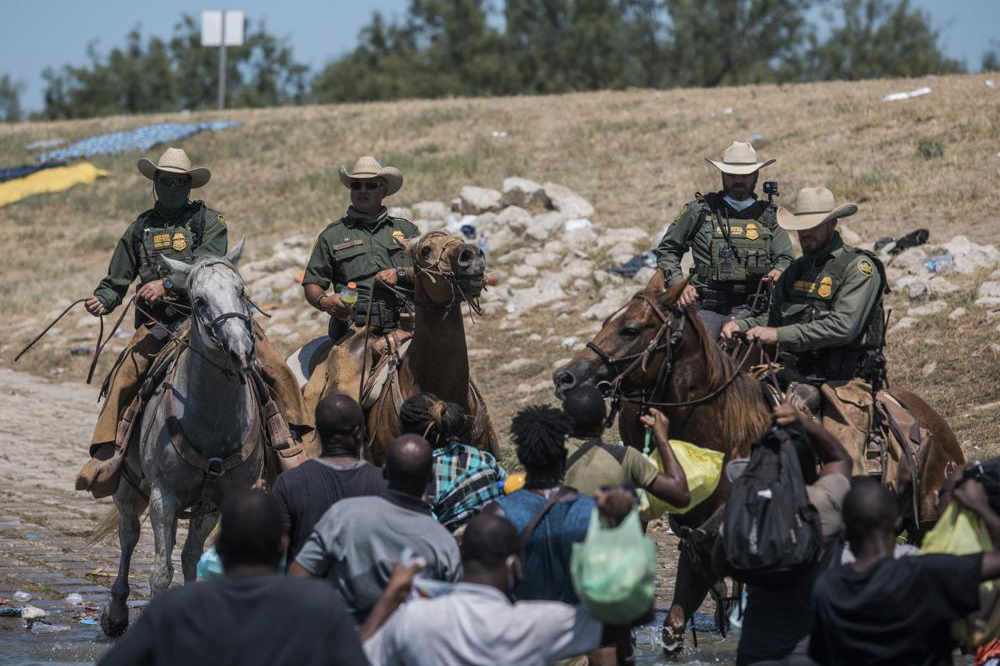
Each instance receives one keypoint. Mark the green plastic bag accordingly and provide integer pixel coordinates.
(703, 469)
(961, 532)
(613, 570)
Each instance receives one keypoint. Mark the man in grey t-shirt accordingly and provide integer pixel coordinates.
(358, 541)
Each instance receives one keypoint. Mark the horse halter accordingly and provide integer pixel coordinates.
(434, 269)
(667, 339)
(210, 326)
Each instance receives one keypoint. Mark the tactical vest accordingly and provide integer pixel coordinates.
(171, 241)
(740, 249)
(810, 300)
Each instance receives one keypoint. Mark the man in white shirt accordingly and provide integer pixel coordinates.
(476, 622)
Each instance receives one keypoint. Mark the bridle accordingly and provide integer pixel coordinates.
(668, 339)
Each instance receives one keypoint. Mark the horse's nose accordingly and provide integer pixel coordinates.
(466, 259)
(565, 380)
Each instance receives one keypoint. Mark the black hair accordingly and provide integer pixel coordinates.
(409, 464)
(338, 418)
(488, 541)
(540, 434)
(438, 421)
(585, 407)
(869, 507)
(251, 530)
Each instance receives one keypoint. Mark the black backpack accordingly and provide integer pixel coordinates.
(771, 531)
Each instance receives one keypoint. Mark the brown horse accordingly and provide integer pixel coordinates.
(651, 343)
(450, 274)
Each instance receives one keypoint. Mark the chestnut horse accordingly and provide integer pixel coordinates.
(711, 402)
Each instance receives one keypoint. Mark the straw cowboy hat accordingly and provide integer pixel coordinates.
(740, 159)
(813, 207)
(367, 168)
(175, 160)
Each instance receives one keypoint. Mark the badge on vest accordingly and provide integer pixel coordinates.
(161, 241)
(752, 233)
(180, 243)
(222, 220)
(825, 287)
(866, 267)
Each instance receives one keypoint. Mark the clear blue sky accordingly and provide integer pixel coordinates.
(35, 34)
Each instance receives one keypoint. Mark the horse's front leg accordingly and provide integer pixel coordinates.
(114, 616)
(198, 530)
(690, 589)
(163, 512)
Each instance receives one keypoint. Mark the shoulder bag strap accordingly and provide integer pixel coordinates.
(581, 451)
(556, 497)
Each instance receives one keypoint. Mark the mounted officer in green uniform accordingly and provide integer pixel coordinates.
(734, 239)
(826, 317)
(180, 229)
(364, 246)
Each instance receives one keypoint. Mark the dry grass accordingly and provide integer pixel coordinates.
(637, 155)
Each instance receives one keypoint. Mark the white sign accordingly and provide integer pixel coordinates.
(212, 28)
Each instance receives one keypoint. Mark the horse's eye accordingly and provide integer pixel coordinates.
(426, 253)
(199, 302)
(628, 332)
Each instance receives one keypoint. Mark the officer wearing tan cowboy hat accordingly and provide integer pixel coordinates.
(827, 305)
(180, 229)
(734, 239)
(361, 245)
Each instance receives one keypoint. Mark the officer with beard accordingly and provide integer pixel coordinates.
(734, 239)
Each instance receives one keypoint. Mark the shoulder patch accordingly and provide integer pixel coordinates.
(865, 267)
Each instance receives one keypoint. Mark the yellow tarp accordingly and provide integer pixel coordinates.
(55, 179)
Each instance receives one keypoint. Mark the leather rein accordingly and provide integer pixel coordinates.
(668, 339)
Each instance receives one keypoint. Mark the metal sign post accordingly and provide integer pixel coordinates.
(222, 29)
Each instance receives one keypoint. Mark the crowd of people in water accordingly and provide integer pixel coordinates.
(442, 557)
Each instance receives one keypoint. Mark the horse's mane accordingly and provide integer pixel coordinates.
(740, 410)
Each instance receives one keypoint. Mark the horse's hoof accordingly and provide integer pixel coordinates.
(113, 628)
(672, 642)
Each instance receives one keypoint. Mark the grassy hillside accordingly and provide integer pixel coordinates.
(636, 155)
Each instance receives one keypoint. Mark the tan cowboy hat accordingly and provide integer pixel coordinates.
(739, 159)
(367, 168)
(175, 160)
(813, 207)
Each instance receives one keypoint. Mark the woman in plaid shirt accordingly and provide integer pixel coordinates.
(465, 479)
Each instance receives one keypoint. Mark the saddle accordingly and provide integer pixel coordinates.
(285, 451)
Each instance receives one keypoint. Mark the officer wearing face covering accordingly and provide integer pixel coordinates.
(734, 239)
(180, 229)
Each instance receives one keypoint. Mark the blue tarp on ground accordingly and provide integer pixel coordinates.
(25, 170)
(142, 138)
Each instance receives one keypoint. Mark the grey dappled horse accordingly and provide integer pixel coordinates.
(214, 407)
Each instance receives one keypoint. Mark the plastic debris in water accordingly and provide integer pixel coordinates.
(31, 613)
(22, 596)
(89, 621)
(74, 599)
(42, 628)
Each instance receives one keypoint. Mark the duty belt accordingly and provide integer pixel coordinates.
(722, 297)
(832, 365)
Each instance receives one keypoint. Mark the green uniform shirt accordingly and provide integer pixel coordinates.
(356, 247)
(172, 239)
(598, 468)
(767, 246)
(813, 312)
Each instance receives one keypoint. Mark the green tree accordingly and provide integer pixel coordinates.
(991, 59)
(876, 39)
(735, 42)
(10, 99)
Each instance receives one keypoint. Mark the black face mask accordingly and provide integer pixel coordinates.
(171, 199)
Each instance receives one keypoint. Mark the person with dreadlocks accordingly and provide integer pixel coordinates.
(465, 479)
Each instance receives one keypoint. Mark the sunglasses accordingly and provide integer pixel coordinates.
(365, 185)
(173, 182)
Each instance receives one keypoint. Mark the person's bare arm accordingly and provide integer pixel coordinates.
(317, 297)
(670, 485)
(395, 594)
(828, 448)
(971, 494)
(494, 509)
(296, 570)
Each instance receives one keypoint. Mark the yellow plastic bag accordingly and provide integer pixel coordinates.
(703, 469)
(961, 532)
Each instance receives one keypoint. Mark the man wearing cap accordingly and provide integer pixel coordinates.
(827, 306)
(734, 239)
(183, 230)
(364, 244)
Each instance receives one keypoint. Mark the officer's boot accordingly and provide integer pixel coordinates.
(101, 474)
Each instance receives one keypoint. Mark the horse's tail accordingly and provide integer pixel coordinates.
(108, 523)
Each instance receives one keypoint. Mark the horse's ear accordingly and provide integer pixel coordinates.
(233, 256)
(404, 243)
(674, 292)
(656, 284)
(178, 267)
